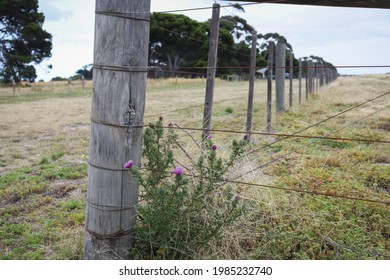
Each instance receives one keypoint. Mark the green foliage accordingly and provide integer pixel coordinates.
(229, 110)
(23, 40)
(177, 41)
(86, 71)
(181, 214)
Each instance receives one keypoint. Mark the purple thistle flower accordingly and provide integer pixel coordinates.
(170, 124)
(178, 171)
(209, 136)
(246, 136)
(128, 164)
(161, 118)
(214, 147)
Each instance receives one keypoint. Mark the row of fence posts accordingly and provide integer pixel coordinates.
(68, 84)
(316, 76)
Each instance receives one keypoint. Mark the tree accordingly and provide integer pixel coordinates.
(177, 40)
(86, 71)
(23, 42)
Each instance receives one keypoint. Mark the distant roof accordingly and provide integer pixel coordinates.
(383, 4)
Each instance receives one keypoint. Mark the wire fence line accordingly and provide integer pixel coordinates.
(312, 142)
(315, 139)
(235, 181)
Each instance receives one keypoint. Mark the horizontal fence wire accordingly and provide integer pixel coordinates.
(318, 66)
(314, 193)
(277, 134)
(222, 6)
(310, 143)
(189, 107)
(324, 120)
(286, 136)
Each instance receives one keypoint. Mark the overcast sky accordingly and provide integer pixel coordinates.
(342, 36)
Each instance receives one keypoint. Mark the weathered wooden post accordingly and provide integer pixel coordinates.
(211, 69)
(317, 88)
(271, 47)
(300, 81)
(251, 85)
(291, 74)
(119, 77)
(307, 79)
(82, 82)
(321, 73)
(310, 76)
(13, 86)
(280, 71)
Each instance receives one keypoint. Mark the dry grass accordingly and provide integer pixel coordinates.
(36, 128)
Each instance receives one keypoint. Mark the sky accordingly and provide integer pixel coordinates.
(342, 36)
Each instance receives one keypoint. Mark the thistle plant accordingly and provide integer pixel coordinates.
(181, 212)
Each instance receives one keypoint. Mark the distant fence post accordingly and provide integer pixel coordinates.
(82, 82)
(306, 65)
(280, 64)
(14, 86)
(300, 82)
(291, 73)
(321, 75)
(317, 77)
(251, 85)
(211, 69)
(310, 76)
(271, 47)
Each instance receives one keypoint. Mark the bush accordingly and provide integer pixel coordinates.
(180, 214)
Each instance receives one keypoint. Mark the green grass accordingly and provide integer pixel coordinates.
(42, 197)
(39, 96)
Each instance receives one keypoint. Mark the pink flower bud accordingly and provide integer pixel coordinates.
(128, 164)
(178, 171)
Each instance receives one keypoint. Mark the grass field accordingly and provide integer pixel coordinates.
(44, 136)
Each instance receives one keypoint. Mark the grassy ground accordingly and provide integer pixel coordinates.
(44, 134)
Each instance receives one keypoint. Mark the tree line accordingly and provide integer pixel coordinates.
(178, 45)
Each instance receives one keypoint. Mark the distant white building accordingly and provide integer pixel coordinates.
(262, 72)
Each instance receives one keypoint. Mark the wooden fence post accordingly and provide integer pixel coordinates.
(280, 71)
(271, 47)
(119, 74)
(13, 86)
(211, 69)
(291, 74)
(321, 75)
(82, 82)
(310, 76)
(251, 85)
(300, 82)
(307, 79)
